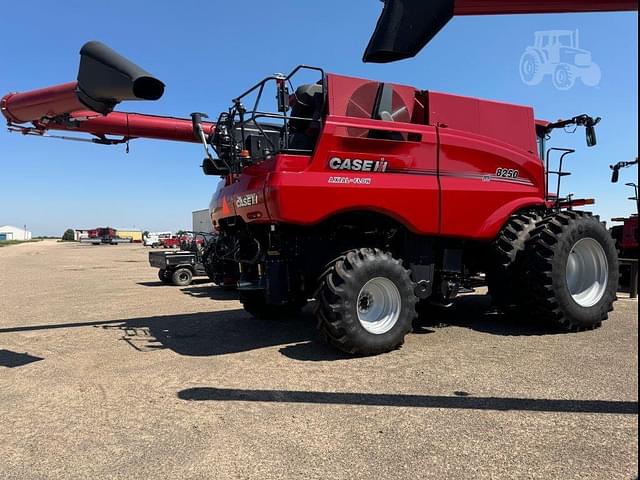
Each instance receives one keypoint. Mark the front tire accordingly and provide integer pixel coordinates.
(572, 271)
(366, 302)
(563, 77)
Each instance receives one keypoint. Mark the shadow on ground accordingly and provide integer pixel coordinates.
(11, 359)
(232, 331)
(476, 313)
(208, 291)
(466, 401)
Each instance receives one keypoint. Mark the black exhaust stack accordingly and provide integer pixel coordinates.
(405, 27)
(106, 78)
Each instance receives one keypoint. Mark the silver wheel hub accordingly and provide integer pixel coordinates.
(378, 305)
(587, 272)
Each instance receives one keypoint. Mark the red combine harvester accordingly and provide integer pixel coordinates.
(368, 196)
(103, 236)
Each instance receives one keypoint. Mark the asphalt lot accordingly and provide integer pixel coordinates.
(107, 373)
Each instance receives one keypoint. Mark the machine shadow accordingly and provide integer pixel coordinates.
(209, 291)
(224, 332)
(476, 313)
(233, 330)
(466, 402)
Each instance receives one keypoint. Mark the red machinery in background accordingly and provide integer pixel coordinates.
(626, 235)
(103, 236)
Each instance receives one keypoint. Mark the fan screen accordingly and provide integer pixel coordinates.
(362, 104)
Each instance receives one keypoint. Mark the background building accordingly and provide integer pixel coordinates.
(80, 233)
(134, 235)
(9, 232)
(201, 221)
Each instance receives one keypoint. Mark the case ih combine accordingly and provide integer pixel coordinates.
(368, 196)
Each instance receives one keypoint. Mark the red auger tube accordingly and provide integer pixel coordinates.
(41, 103)
(128, 125)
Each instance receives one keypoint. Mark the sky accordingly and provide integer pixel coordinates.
(209, 51)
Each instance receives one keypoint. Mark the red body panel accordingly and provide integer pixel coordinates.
(630, 234)
(437, 180)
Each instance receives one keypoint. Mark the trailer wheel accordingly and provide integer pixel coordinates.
(255, 304)
(366, 302)
(572, 271)
(164, 276)
(505, 275)
(182, 277)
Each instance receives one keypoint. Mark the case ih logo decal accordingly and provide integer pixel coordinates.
(247, 200)
(357, 164)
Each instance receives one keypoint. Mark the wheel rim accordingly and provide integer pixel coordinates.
(587, 272)
(183, 276)
(378, 305)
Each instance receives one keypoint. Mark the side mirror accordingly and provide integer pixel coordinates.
(209, 167)
(614, 175)
(282, 95)
(196, 124)
(591, 135)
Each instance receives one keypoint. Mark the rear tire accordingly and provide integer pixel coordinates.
(531, 68)
(572, 271)
(366, 302)
(255, 304)
(182, 277)
(505, 276)
(164, 276)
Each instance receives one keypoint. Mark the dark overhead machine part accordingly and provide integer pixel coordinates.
(406, 26)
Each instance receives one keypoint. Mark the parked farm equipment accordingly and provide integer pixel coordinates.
(368, 196)
(181, 266)
(103, 236)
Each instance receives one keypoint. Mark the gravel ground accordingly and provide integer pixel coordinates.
(107, 373)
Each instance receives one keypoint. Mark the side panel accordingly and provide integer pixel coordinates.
(483, 181)
(349, 171)
(505, 122)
